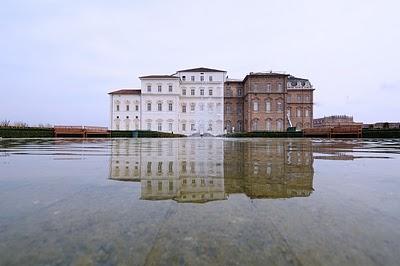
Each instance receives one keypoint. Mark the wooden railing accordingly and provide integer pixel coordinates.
(337, 131)
(82, 131)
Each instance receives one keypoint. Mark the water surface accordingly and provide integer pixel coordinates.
(198, 201)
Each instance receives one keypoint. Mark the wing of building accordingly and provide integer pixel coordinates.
(202, 101)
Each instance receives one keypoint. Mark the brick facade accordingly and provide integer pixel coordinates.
(262, 101)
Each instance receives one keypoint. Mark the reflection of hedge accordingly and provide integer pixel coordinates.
(143, 134)
(26, 132)
(381, 133)
(266, 134)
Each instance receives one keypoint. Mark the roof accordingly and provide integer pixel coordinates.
(252, 74)
(292, 78)
(158, 77)
(233, 80)
(201, 69)
(126, 92)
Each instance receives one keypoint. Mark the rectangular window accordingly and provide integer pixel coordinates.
(268, 87)
(289, 99)
(279, 87)
(192, 107)
(201, 92)
(159, 126)
(239, 92)
(268, 106)
(148, 88)
(210, 92)
(307, 98)
(159, 106)
(192, 78)
(183, 91)
(184, 108)
(137, 107)
(148, 106)
(192, 92)
(210, 78)
(127, 107)
(170, 88)
(148, 126)
(170, 167)
(149, 170)
(307, 113)
(255, 106)
(159, 167)
(192, 127)
(201, 78)
(117, 107)
(298, 98)
(169, 106)
(298, 113)
(170, 126)
(159, 88)
(183, 127)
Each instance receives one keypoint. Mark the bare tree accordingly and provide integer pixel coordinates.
(5, 123)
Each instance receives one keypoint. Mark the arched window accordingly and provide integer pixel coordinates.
(149, 106)
(298, 112)
(307, 113)
(279, 106)
(268, 124)
(279, 125)
(254, 125)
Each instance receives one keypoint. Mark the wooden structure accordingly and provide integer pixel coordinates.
(335, 132)
(80, 131)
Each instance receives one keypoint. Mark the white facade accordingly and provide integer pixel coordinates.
(125, 109)
(189, 102)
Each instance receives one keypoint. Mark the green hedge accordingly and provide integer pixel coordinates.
(381, 133)
(143, 134)
(266, 134)
(28, 132)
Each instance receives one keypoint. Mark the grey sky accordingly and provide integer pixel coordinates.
(58, 59)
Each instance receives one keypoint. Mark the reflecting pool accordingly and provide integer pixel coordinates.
(199, 201)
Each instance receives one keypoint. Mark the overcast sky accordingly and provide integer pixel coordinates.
(59, 58)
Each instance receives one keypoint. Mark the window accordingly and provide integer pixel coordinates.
(170, 88)
(299, 98)
(127, 107)
(192, 107)
(307, 98)
(254, 125)
(201, 78)
(148, 88)
(202, 92)
(149, 171)
(255, 106)
(159, 185)
(137, 107)
(159, 126)
(148, 106)
(239, 92)
(298, 112)
(268, 87)
(183, 78)
(209, 126)
(159, 88)
(280, 87)
(210, 92)
(170, 167)
(183, 127)
(268, 106)
(210, 78)
(192, 78)
(239, 108)
(192, 127)
(159, 167)
(289, 99)
(192, 92)
(210, 107)
(228, 108)
(268, 125)
(148, 126)
(184, 108)
(279, 125)
(201, 106)
(279, 106)
(170, 126)
(159, 106)
(169, 106)
(117, 107)
(307, 113)
(183, 91)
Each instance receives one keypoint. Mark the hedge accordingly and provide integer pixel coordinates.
(28, 132)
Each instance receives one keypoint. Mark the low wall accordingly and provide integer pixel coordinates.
(266, 134)
(381, 133)
(143, 134)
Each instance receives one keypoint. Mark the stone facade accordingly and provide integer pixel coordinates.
(267, 102)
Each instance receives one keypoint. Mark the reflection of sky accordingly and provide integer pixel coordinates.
(60, 58)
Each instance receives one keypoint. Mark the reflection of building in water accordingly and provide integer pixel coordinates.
(201, 170)
(271, 169)
(181, 169)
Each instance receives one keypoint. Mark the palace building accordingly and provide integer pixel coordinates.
(202, 101)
